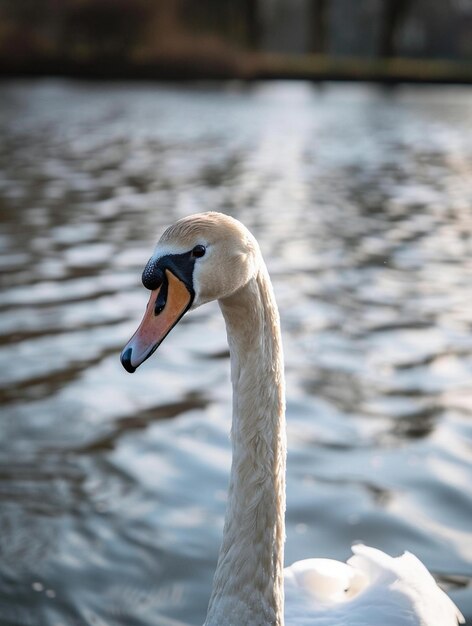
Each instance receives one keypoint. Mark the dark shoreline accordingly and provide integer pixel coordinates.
(250, 68)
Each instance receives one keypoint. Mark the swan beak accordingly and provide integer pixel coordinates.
(166, 306)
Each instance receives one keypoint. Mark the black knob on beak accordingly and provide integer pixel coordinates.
(153, 276)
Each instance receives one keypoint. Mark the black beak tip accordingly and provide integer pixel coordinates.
(126, 361)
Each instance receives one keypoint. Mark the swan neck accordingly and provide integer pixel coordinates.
(248, 582)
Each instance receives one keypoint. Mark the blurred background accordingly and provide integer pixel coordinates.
(113, 487)
(245, 38)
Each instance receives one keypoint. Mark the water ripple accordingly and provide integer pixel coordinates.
(113, 488)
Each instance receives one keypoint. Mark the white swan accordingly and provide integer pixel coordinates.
(212, 256)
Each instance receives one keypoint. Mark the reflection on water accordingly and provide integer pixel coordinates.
(112, 487)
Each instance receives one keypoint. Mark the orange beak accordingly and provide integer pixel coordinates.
(157, 322)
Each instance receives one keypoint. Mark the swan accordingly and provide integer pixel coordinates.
(211, 256)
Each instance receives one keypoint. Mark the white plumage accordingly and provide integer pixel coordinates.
(211, 256)
(371, 588)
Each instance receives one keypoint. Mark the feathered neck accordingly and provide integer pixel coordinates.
(248, 583)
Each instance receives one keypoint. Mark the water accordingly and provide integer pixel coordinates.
(112, 487)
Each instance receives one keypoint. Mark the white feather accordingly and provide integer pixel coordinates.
(371, 588)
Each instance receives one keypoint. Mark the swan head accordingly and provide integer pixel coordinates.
(200, 258)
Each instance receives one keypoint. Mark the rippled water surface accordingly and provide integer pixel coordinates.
(112, 487)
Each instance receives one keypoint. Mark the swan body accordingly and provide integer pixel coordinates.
(211, 256)
(371, 588)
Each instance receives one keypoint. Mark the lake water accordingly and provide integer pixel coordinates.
(112, 487)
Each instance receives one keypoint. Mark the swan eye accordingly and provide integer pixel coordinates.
(198, 251)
